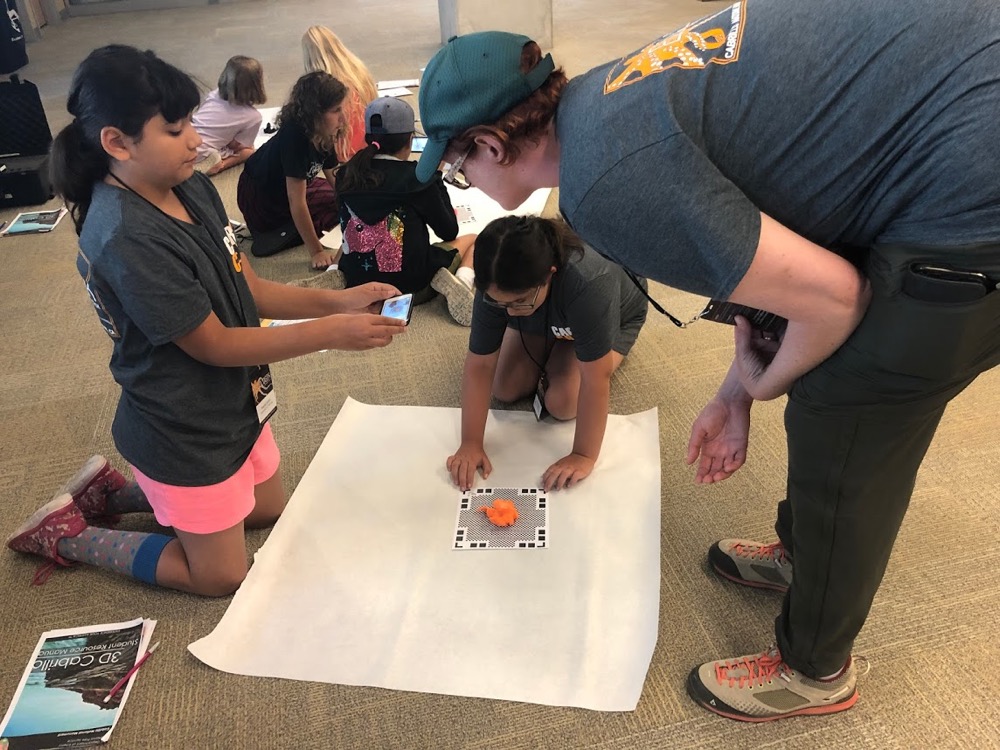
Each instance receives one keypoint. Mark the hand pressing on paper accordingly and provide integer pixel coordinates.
(463, 465)
(567, 472)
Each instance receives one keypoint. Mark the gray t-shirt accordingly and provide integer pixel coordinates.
(854, 123)
(153, 279)
(590, 302)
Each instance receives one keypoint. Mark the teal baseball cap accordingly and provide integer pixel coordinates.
(473, 80)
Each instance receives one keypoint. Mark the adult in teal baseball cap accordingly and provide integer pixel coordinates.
(475, 80)
(833, 163)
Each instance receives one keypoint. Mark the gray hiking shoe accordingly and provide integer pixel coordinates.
(762, 687)
(457, 294)
(329, 279)
(763, 566)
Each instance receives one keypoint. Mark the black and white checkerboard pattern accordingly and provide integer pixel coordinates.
(473, 530)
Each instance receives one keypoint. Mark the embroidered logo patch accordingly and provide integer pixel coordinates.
(715, 39)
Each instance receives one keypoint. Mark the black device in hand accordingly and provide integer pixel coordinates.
(721, 311)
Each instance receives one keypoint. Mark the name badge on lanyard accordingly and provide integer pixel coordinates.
(262, 388)
(539, 404)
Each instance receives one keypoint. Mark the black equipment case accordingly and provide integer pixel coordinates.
(25, 139)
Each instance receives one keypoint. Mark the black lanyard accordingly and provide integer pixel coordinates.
(632, 277)
(543, 375)
(656, 305)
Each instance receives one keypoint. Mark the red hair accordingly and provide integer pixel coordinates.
(525, 122)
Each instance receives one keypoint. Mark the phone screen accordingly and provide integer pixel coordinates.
(419, 142)
(398, 307)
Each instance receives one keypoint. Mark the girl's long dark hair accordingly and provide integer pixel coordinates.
(517, 253)
(312, 95)
(358, 174)
(116, 86)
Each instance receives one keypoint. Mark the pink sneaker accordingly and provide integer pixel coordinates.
(91, 486)
(40, 534)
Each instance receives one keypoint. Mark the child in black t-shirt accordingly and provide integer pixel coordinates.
(385, 211)
(284, 198)
(551, 318)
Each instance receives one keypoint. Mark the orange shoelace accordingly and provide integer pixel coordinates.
(43, 573)
(774, 551)
(752, 670)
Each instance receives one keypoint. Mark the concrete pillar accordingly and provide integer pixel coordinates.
(533, 18)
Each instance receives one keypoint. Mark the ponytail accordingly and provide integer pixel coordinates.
(358, 173)
(74, 167)
(517, 253)
(116, 86)
(563, 241)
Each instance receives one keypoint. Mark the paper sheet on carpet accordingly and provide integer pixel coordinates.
(475, 209)
(268, 116)
(358, 583)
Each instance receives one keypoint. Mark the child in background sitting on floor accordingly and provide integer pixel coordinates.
(385, 211)
(286, 191)
(552, 318)
(227, 120)
(322, 50)
(182, 307)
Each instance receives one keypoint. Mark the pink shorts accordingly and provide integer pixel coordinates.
(215, 507)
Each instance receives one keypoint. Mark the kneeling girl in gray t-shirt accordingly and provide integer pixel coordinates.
(551, 318)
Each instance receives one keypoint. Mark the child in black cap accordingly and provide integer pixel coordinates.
(385, 211)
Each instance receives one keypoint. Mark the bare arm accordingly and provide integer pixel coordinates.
(592, 406)
(220, 346)
(240, 154)
(591, 422)
(477, 387)
(823, 297)
(300, 216)
(720, 434)
(286, 302)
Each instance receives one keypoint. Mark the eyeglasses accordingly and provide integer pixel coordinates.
(455, 176)
(513, 305)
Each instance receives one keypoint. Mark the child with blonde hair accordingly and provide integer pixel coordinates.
(227, 120)
(323, 50)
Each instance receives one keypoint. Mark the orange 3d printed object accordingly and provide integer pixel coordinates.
(503, 513)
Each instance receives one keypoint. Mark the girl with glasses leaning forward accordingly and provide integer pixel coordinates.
(551, 317)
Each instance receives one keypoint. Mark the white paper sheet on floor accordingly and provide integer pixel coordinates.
(267, 117)
(476, 209)
(358, 583)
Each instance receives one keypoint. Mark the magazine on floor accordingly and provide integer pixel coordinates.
(34, 222)
(59, 702)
